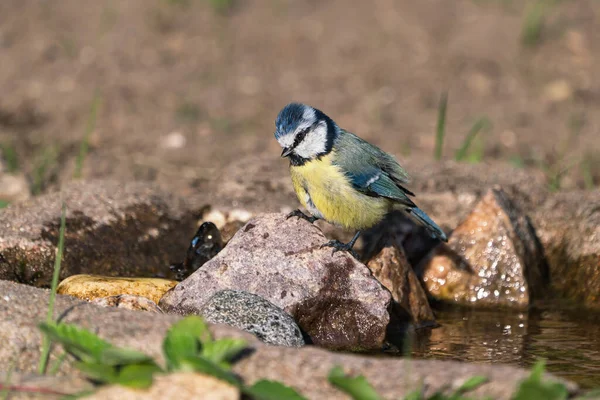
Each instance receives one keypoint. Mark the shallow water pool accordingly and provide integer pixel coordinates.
(568, 339)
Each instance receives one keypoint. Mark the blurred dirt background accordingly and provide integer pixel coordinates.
(173, 90)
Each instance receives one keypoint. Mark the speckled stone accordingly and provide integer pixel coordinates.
(128, 302)
(253, 314)
(493, 258)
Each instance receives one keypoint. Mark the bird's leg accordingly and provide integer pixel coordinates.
(339, 246)
(300, 214)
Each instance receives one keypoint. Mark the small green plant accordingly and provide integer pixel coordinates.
(221, 6)
(534, 388)
(44, 165)
(188, 112)
(517, 161)
(441, 126)
(555, 173)
(531, 30)
(586, 170)
(483, 124)
(4, 203)
(56, 273)
(11, 159)
(358, 388)
(85, 142)
(188, 346)
(5, 391)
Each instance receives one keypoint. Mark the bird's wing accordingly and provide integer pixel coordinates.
(370, 170)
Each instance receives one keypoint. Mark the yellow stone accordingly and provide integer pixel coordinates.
(89, 287)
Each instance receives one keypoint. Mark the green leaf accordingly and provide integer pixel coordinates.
(472, 383)
(137, 376)
(132, 375)
(205, 366)
(81, 343)
(98, 372)
(534, 388)
(114, 356)
(358, 387)
(482, 124)
(184, 339)
(416, 395)
(222, 351)
(271, 390)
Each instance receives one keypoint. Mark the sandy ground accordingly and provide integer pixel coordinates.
(184, 89)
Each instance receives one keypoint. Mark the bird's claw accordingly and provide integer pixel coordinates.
(339, 246)
(300, 214)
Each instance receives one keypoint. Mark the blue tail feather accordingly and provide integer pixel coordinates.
(431, 226)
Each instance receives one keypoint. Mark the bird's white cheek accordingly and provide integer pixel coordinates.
(314, 143)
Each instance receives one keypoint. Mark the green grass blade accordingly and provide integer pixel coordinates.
(4, 394)
(481, 124)
(85, 143)
(531, 30)
(11, 159)
(586, 170)
(57, 261)
(441, 125)
(57, 363)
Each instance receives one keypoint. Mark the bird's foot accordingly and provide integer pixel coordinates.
(339, 246)
(300, 214)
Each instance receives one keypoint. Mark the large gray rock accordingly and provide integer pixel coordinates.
(253, 314)
(112, 229)
(332, 297)
(306, 368)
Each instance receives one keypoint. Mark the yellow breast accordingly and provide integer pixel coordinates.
(325, 192)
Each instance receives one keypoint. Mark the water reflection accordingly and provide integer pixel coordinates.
(568, 339)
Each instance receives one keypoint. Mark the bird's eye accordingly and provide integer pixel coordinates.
(300, 136)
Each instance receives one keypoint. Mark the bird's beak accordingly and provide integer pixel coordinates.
(286, 151)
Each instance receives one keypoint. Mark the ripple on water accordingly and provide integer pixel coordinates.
(567, 339)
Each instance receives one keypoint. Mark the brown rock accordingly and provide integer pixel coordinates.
(112, 229)
(492, 258)
(568, 225)
(392, 269)
(89, 287)
(333, 298)
(181, 385)
(306, 368)
(128, 302)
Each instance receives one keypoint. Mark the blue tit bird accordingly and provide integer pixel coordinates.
(340, 177)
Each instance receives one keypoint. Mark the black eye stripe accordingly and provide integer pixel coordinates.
(300, 136)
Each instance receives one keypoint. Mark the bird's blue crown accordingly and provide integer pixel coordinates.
(289, 118)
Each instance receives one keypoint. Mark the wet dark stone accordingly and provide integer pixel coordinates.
(204, 245)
